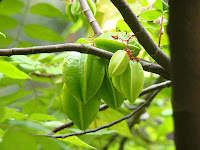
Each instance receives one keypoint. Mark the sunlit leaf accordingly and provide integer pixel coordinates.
(46, 10)
(13, 139)
(25, 44)
(41, 117)
(158, 5)
(121, 25)
(76, 141)
(122, 127)
(42, 33)
(5, 41)
(11, 71)
(15, 6)
(7, 22)
(151, 15)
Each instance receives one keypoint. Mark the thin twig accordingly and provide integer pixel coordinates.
(90, 17)
(161, 28)
(156, 87)
(145, 104)
(143, 37)
(44, 75)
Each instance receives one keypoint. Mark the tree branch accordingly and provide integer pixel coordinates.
(90, 17)
(156, 87)
(83, 48)
(143, 37)
(152, 67)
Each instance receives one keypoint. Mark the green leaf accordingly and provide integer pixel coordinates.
(122, 25)
(1, 134)
(11, 71)
(2, 114)
(7, 22)
(25, 59)
(58, 58)
(82, 40)
(25, 44)
(76, 141)
(100, 132)
(5, 41)
(158, 5)
(13, 139)
(166, 15)
(46, 10)
(151, 15)
(29, 125)
(48, 143)
(2, 34)
(42, 33)
(165, 5)
(122, 127)
(143, 2)
(12, 113)
(41, 117)
(15, 6)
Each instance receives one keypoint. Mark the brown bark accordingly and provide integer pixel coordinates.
(184, 34)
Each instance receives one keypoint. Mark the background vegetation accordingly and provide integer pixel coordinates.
(31, 104)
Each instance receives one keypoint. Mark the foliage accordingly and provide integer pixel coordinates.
(31, 85)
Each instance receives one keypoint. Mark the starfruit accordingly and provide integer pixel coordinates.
(132, 81)
(116, 82)
(81, 114)
(108, 43)
(109, 94)
(69, 13)
(83, 75)
(118, 63)
(92, 6)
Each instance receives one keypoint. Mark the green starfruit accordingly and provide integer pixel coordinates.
(83, 75)
(109, 93)
(81, 114)
(132, 81)
(116, 82)
(118, 63)
(106, 42)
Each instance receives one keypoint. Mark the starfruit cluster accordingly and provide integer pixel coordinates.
(83, 76)
(73, 9)
(89, 80)
(127, 75)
